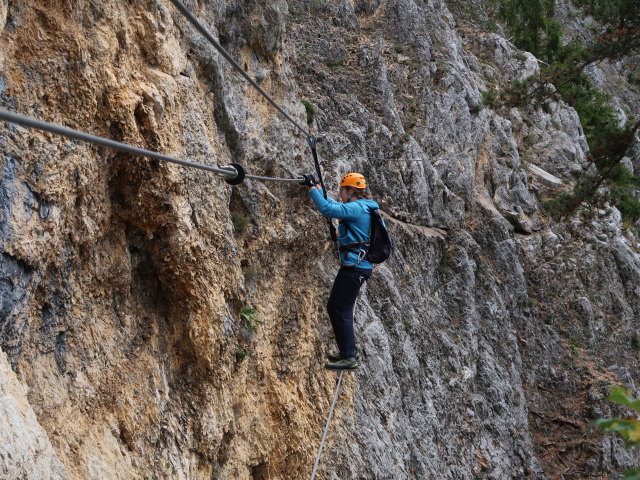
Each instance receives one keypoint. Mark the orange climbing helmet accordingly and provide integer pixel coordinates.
(355, 180)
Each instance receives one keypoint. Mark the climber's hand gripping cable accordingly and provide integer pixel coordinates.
(308, 181)
(313, 141)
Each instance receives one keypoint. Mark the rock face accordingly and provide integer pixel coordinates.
(25, 449)
(127, 286)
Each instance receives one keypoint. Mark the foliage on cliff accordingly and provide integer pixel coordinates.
(627, 427)
(615, 35)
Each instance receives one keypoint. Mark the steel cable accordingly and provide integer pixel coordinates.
(312, 141)
(333, 404)
(274, 179)
(326, 427)
(105, 142)
(209, 36)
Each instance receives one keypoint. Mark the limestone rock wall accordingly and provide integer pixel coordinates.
(25, 450)
(487, 340)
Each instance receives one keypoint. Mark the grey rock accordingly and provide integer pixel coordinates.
(25, 449)
(628, 163)
(624, 376)
(366, 6)
(14, 280)
(545, 177)
(347, 15)
(465, 333)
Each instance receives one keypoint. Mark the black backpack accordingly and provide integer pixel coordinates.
(380, 244)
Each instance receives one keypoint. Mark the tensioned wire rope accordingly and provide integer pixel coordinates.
(312, 140)
(209, 36)
(403, 160)
(326, 428)
(333, 404)
(230, 172)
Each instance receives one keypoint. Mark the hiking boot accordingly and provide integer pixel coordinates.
(343, 364)
(334, 356)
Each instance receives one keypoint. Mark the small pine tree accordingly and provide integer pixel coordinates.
(616, 36)
(532, 24)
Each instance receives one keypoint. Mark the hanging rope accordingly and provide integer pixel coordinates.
(209, 36)
(326, 427)
(333, 404)
(313, 141)
(229, 173)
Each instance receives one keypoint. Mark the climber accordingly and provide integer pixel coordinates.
(353, 235)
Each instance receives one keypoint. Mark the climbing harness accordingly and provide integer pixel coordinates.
(233, 173)
(380, 244)
(359, 248)
(326, 427)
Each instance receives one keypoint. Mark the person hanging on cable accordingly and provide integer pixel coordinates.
(353, 237)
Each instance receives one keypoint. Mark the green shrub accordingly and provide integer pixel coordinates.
(561, 205)
(317, 6)
(334, 62)
(251, 321)
(242, 352)
(310, 111)
(627, 427)
(489, 99)
(532, 24)
(475, 108)
(629, 207)
(239, 221)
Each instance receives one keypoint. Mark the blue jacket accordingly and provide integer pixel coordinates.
(356, 214)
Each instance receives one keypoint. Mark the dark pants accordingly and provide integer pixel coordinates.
(340, 307)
